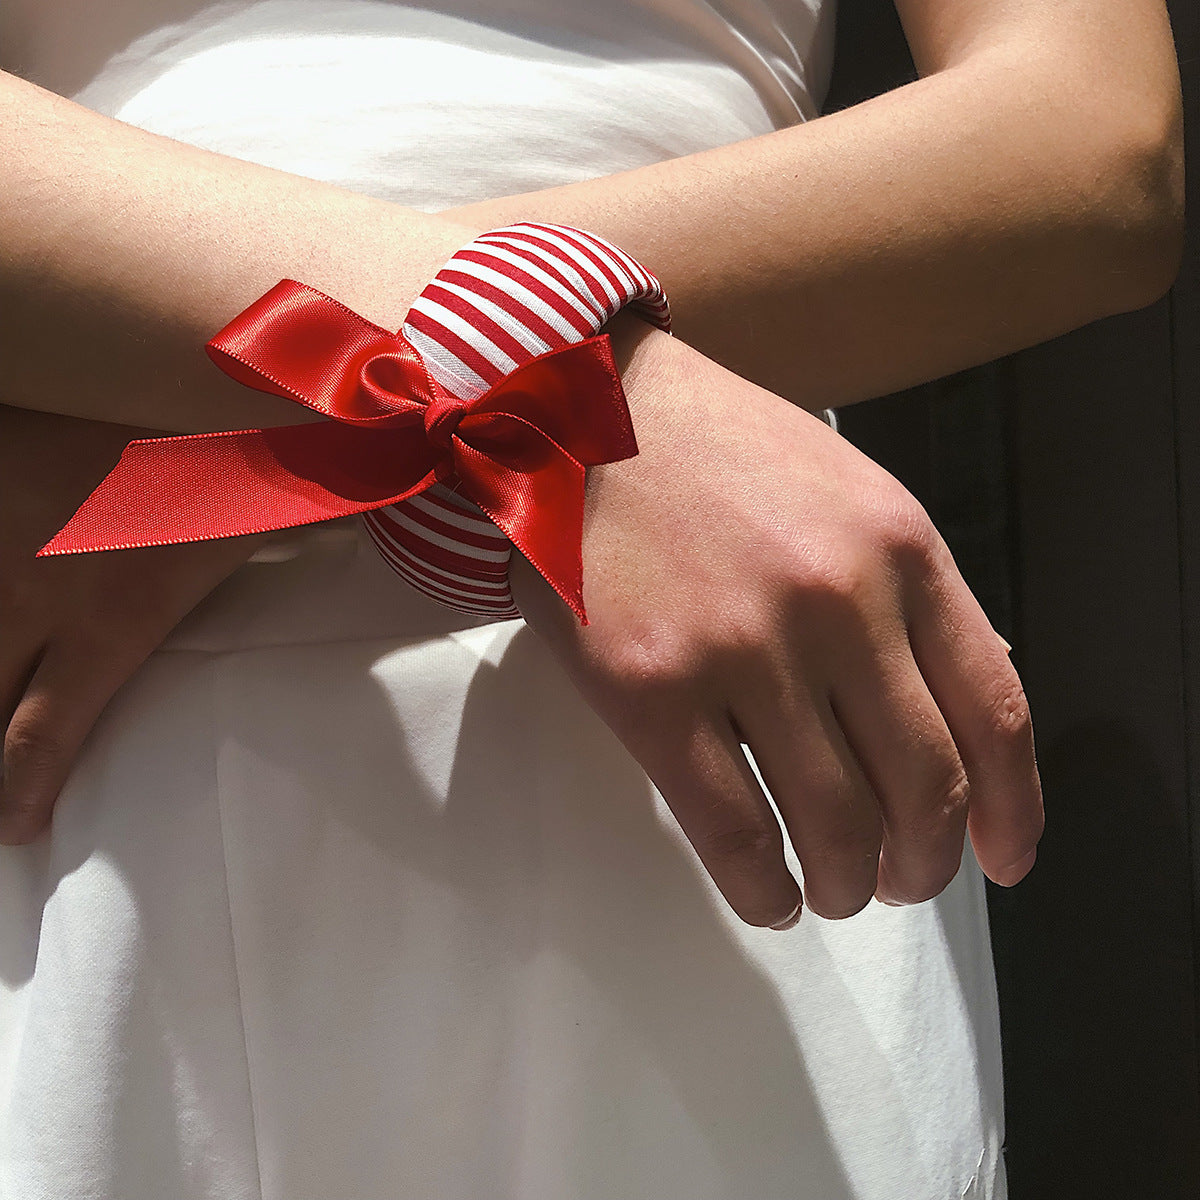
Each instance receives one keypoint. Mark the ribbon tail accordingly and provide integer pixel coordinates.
(540, 511)
(164, 491)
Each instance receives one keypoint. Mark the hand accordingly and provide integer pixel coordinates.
(73, 629)
(752, 578)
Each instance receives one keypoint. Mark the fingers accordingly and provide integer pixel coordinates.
(706, 781)
(977, 689)
(907, 751)
(49, 723)
(831, 814)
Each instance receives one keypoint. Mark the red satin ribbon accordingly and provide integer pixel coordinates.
(519, 451)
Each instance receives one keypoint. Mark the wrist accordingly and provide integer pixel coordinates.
(507, 299)
(464, 435)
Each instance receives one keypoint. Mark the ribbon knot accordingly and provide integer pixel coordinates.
(519, 451)
(443, 414)
(392, 385)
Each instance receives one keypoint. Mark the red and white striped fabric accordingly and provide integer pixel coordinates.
(508, 296)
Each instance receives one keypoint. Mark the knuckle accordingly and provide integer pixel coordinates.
(839, 584)
(894, 536)
(900, 518)
(746, 862)
(745, 849)
(34, 756)
(647, 663)
(942, 815)
(954, 795)
(937, 809)
(905, 532)
(931, 837)
(1010, 719)
(890, 528)
(915, 533)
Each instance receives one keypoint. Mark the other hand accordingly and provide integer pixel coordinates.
(73, 629)
(752, 578)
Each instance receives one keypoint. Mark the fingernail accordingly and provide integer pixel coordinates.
(883, 888)
(789, 920)
(1014, 874)
(1004, 643)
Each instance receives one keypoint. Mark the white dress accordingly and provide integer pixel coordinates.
(350, 900)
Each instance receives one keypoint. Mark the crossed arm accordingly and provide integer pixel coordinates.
(934, 227)
(1029, 182)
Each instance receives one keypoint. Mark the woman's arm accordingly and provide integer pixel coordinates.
(824, 625)
(122, 253)
(1029, 182)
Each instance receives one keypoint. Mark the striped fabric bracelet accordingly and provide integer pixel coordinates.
(506, 297)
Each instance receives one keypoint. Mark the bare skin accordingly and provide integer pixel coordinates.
(878, 756)
(1030, 182)
(879, 704)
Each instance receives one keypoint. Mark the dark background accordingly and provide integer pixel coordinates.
(1067, 481)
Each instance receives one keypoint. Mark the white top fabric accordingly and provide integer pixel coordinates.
(348, 900)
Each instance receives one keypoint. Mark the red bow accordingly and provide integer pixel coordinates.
(519, 451)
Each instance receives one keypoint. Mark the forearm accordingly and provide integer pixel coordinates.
(124, 252)
(997, 202)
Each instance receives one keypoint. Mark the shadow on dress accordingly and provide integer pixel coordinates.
(517, 911)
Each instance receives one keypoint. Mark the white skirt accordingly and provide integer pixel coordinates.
(347, 902)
